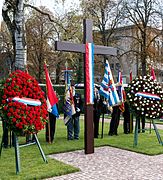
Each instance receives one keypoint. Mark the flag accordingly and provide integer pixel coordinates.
(27, 101)
(69, 106)
(148, 95)
(121, 91)
(107, 87)
(52, 99)
(130, 75)
(89, 76)
(153, 74)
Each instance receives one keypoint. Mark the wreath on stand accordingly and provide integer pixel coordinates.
(145, 97)
(23, 104)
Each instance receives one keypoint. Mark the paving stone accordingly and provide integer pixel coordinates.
(108, 163)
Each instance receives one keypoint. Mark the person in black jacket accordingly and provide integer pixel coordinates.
(98, 105)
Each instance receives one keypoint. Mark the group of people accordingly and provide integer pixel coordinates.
(73, 125)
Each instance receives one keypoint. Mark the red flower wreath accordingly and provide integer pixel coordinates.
(21, 117)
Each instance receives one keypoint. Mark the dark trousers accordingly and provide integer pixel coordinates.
(50, 125)
(114, 120)
(142, 119)
(96, 120)
(6, 135)
(73, 128)
(126, 123)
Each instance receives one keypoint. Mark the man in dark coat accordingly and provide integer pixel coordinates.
(98, 105)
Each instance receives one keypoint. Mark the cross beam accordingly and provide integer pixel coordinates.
(72, 47)
(80, 48)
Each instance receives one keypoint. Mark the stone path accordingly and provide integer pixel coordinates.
(108, 163)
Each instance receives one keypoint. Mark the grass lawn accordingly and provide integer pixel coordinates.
(33, 166)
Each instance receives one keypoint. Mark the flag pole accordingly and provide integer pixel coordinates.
(49, 130)
(49, 138)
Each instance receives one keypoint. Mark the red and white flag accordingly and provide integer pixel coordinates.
(89, 76)
(153, 73)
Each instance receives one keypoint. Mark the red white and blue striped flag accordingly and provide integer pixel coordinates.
(148, 95)
(68, 106)
(27, 101)
(52, 99)
(121, 91)
(107, 87)
(89, 76)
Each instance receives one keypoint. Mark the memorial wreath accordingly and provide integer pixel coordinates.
(23, 104)
(145, 97)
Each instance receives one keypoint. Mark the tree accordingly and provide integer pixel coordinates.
(145, 15)
(106, 16)
(13, 15)
(6, 48)
(40, 31)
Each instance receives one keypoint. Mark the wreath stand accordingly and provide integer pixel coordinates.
(155, 129)
(17, 146)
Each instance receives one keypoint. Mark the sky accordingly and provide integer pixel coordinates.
(49, 4)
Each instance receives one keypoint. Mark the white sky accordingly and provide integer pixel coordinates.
(52, 5)
(49, 4)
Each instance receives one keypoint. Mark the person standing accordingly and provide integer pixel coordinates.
(115, 117)
(126, 115)
(98, 104)
(142, 119)
(73, 126)
(51, 125)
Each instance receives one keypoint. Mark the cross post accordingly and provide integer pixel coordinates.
(80, 48)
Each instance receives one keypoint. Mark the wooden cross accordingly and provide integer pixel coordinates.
(80, 48)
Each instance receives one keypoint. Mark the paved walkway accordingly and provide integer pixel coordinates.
(108, 163)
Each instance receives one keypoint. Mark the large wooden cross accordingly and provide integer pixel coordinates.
(80, 48)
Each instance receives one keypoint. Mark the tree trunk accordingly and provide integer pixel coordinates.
(21, 53)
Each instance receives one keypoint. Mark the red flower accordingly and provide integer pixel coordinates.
(13, 119)
(23, 117)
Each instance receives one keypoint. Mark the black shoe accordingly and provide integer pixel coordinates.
(76, 138)
(5, 146)
(69, 139)
(95, 136)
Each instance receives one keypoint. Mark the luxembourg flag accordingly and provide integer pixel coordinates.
(107, 87)
(89, 76)
(27, 101)
(148, 95)
(52, 99)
